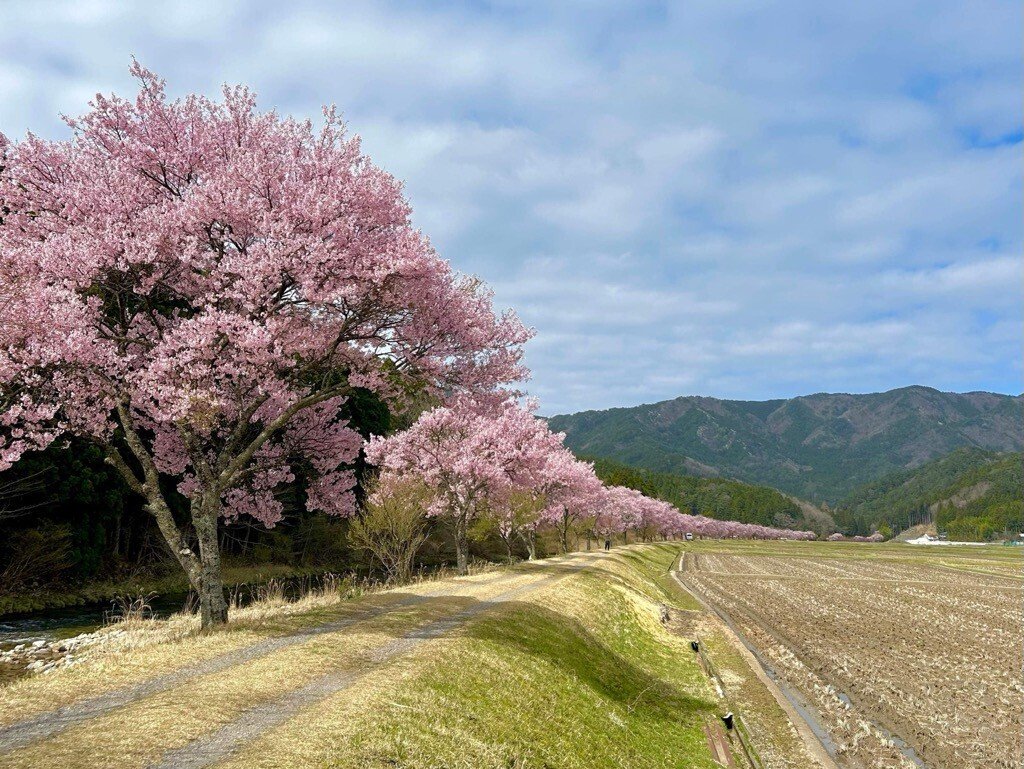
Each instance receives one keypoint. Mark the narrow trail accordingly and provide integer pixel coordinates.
(47, 724)
(255, 721)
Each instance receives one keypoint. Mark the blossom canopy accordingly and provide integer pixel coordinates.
(215, 281)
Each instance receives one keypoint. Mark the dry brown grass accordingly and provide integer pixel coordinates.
(471, 701)
(139, 649)
(589, 648)
(142, 731)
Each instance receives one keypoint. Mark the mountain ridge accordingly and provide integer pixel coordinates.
(820, 446)
(970, 493)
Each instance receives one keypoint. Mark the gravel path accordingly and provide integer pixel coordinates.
(47, 724)
(253, 723)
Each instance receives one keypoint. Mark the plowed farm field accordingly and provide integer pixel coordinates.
(903, 658)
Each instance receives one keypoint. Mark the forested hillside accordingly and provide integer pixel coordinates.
(819, 447)
(717, 497)
(970, 494)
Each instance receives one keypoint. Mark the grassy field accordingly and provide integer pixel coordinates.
(541, 665)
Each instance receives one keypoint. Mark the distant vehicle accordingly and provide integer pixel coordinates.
(689, 536)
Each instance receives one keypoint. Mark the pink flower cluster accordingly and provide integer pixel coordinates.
(837, 537)
(214, 281)
(476, 458)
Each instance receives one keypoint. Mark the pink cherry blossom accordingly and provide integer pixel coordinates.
(198, 286)
(474, 456)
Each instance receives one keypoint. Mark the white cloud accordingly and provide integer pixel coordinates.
(736, 199)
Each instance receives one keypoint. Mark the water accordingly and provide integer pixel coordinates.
(901, 745)
(53, 624)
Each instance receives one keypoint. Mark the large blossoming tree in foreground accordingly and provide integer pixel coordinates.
(198, 287)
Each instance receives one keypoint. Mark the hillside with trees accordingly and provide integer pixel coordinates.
(818, 447)
(720, 498)
(970, 494)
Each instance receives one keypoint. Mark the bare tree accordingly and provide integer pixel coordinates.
(21, 495)
(393, 527)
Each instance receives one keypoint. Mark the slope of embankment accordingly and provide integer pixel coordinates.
(563, 662)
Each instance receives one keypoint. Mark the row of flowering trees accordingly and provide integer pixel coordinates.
(497, 460)
(839, 537)
(198, 288)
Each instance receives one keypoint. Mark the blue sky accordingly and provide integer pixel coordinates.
(738, 199)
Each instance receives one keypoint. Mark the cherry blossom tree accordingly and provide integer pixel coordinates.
(498, 459)
(474, 456)
(531, 473)
(618, 510)
(874, 537)
(574, 495)
(516, 516)
(199, 286)
(712, 528)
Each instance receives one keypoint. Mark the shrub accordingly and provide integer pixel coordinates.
(392, 527)
(34, 556)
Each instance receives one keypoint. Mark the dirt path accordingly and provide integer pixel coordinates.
(47, 724)
(253, 722)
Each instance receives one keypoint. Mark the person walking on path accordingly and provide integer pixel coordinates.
(607, 543)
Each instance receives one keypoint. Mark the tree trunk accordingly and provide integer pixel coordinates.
(403, 572)
(213, 608)
(529, 538)
(564, 531)
(203, 571)
(116, 550)
(461, 545)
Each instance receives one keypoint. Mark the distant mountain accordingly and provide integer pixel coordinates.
(819, 447)
(970, 493)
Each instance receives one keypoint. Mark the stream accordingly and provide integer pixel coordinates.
(54, 624)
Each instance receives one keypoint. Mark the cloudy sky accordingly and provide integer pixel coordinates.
(740, 199)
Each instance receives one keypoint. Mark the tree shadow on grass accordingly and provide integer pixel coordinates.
(570, 647)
